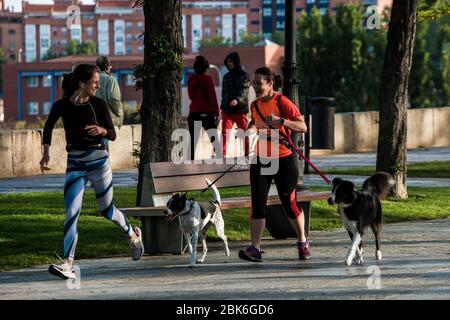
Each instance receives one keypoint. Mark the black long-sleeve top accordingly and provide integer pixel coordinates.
(76, 117)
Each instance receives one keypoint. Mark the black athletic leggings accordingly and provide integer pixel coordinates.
(285, 181)
(208, 122)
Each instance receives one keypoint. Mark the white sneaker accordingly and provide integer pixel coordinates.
(136, 245)
(64, 270)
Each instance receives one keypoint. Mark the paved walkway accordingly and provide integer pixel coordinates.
(416, 265)
(124, 178)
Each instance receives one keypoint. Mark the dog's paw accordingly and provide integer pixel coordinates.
(348, 261)
(200, 260)
(359, 260)
(378, 255)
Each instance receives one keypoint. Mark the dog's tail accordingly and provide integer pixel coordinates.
(215, 191)
(381, 183)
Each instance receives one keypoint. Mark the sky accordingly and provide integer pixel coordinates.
(18, 3)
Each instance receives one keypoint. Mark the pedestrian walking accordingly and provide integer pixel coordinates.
(271, 109)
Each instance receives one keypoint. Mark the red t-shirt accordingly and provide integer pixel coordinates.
(202, 93)
(287, 110)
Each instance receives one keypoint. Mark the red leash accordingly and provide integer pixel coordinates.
(291, 143)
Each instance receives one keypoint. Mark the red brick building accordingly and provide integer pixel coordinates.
(32, 88)
(11, 34)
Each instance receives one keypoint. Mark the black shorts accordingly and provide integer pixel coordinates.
(286, 182)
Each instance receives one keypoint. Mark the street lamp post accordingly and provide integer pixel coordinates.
(290, 83)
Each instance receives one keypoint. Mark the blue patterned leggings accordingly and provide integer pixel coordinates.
(92, 165)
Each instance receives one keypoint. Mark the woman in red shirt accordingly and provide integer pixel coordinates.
(272, 110)
(204, 106)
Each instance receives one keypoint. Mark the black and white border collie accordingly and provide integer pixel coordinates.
(195, 218)
(360, 209)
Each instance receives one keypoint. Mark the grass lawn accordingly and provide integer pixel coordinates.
(31, 225)
(433, 169)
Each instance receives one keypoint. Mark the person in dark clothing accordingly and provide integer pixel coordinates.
(234, 105)
(204, 106)
(87, 122)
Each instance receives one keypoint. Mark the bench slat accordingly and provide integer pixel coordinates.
(169, 169)
(197, 182)
(229, 203)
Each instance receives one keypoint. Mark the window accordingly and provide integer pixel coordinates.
(129, 80)
(140, 25)
(280, 1)
(129, 49)
(63, 42)
(207, 32)
(129, 37)
(47, 81)
(33, 108)
(323, 11)
(129, 26)
(140, 49)
(12, 57)
(32, 82)
(90, 31)
(280, 25)
(217, 20)
(207, 21)
(280, 12)
(254, 22)
(254, 10)
(267, 12)
(63, 31)
(46, 107)
(267, 1)
(12, 46)
(12, 33)
(55, 42)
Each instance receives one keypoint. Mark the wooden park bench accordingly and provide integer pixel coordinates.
(162, 179)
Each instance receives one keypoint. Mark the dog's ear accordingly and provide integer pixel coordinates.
(184, 195)
(336, 181)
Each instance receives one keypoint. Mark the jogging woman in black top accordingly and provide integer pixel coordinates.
(87, 122)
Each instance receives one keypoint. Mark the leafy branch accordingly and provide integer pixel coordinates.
(161, 55)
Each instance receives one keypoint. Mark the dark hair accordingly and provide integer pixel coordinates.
(233, 56)
(270, 76)
(82, 72)
(201, 64)
(103, 63)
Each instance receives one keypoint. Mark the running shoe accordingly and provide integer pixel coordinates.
(251, 254)
(136, 245)
(64, 271)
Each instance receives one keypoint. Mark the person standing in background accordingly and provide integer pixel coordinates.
(234, 104)
(109, 90)
(204, 107)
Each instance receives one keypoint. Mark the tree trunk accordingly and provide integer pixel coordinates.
(391, 153)
(160, 110)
